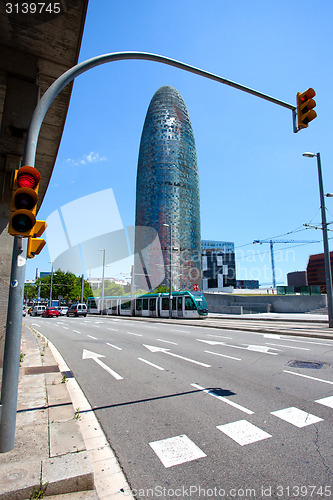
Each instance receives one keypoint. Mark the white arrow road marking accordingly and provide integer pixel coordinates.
(254, 347)
(289, 346)
(152, 348)
(225, 400)
(93, 355)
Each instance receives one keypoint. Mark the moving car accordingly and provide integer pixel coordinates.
(62, 310)
(50, 312)
(77, 310)
(38, 310)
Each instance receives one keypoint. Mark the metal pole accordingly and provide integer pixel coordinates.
(11, 363)
(132, 290)
(328, 271)
(102, 308)
(50, 304)
(82, 288)
(170, 282)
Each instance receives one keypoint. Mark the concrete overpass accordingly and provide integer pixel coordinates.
(34, 50)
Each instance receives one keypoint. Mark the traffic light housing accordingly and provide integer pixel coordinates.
(305, 105)
(35, 244)
(24, 200)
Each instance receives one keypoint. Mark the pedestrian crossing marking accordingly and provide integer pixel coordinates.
(296, 417)
(326, 401)
(243, 432)
(176, 450)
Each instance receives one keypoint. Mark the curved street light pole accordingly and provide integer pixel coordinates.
(15, 299)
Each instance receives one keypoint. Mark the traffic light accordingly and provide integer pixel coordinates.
(35, 244)
(24, 201)
(305, 105)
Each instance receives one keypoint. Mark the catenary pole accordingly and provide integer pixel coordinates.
(328, 271)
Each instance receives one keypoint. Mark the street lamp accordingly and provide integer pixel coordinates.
(170, 271)
(327, 260)
(102, 250)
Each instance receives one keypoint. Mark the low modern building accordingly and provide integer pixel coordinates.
(247, 284)
(218, 264)
(297, 278)
(315, 270)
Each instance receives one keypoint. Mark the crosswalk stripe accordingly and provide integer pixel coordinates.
(296, 417)
(243, 432)
(176, 450)
(326, 401)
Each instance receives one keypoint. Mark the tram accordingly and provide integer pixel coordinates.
(184, 305)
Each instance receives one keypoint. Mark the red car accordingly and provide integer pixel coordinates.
(49, 312)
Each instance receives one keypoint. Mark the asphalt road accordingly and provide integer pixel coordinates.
(195, 412)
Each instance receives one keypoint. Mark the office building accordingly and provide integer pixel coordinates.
(167, 197)
(316, 270)
(218, 264)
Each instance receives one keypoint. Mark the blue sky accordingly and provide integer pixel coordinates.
(254, 181)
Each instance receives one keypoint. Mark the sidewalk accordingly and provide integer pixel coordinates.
(59, 445)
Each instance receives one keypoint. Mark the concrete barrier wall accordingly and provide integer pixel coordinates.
(219, 303)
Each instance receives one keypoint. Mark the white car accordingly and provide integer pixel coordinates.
(63, 310)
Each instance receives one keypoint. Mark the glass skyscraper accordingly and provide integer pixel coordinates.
(167, 197)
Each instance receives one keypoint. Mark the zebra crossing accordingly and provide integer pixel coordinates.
(180, 449)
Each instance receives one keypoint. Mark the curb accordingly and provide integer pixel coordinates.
(60, 450)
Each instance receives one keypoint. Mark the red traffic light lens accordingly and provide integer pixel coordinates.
(27, 180)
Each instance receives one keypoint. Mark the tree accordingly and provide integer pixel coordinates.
(65, 285)
(110, 288)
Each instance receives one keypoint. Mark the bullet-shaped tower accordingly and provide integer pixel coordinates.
(167, 197)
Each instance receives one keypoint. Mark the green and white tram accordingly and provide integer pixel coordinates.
(184, 305)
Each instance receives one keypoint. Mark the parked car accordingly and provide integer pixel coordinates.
(50, 312)
(77, 310)
(38, 310)
(62, 310)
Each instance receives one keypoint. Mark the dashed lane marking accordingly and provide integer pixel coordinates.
(225, 400)
(224, 355)
(167, 341)
(151, 364)
(308, 376)
(114, 346)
